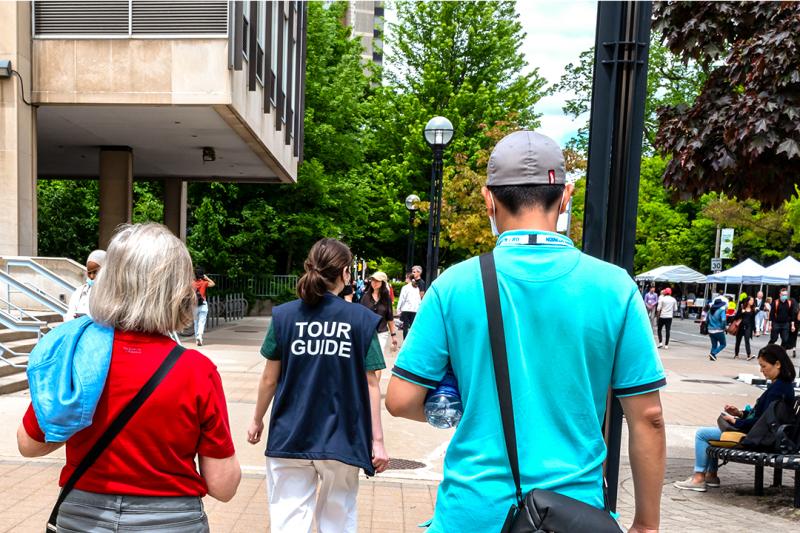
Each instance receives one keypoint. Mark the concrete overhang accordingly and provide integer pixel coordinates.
(167, 142)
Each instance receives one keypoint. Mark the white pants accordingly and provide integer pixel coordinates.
(292, 488)
(384, 340)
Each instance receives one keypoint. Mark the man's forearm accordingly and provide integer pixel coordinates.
(647, 449)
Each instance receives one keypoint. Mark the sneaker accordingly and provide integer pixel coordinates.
(660, 344)
(751, 357)
(199, 341)
(712, 357)
(691, 485)
(712, 483)
(666, 346)
(736, 356)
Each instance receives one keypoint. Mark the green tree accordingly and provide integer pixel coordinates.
(68, 213)
(740, 134)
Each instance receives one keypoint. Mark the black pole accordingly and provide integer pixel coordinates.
(434, 216)
(616, 125)
(410, 248)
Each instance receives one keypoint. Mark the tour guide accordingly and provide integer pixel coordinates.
(322, 353)
(562, 356)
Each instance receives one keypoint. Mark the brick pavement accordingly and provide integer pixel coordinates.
(397, 503)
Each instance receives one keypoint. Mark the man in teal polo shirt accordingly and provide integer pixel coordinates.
(575, 326)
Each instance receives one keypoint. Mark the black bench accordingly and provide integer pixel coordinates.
(760, 460)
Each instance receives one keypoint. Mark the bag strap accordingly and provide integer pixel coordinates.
(497, 341)
(113, 430)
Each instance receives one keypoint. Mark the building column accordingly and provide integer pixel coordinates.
(175, 207)
(18, 232)
(116, 190)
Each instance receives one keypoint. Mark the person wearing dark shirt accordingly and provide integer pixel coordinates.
(416, 270)
(776, 367)
(782, 317)
(378, 299)
(321, 378)
(746, 313)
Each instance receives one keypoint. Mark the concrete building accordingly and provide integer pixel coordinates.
(366, 19)
(145, 90)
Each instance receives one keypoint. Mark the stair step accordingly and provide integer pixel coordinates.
(22, 345)
(8, 335)
(8, 370)
(13, 383)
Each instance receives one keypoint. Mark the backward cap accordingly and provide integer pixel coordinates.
(526, 158)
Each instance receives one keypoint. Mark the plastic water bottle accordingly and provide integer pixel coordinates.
(443, 407)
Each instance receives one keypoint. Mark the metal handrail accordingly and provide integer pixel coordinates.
(3, 350)
(20, 310)
(41, 297)
(39, 269)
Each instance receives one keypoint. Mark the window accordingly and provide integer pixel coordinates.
(273, 49)
(261, 38)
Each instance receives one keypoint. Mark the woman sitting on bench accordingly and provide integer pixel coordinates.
(777, 367)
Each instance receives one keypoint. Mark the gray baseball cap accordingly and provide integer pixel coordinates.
(526, 158)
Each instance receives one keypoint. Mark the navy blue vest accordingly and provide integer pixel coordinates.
(321, 408)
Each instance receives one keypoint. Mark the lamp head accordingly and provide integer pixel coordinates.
(411, 202)
(438, 132)
(5, 68)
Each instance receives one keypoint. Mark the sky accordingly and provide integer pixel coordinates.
(557, 32)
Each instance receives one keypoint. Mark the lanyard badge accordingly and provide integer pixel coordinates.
(532, 239)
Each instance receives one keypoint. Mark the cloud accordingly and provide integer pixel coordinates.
(556, 33)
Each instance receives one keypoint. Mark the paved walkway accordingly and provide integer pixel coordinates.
(399, 500)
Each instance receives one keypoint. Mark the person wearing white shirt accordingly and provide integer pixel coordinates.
(666, 311)
(79, 301)
(408, 304)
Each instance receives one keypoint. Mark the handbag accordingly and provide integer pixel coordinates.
(704, 327)
(734, 326)
(538, 511)
(113, 430)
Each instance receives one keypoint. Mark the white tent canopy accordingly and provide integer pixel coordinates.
(746, 272)
(672, 274)
(784, 272)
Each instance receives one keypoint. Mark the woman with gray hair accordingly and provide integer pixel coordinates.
(79, 301)
(145, 478)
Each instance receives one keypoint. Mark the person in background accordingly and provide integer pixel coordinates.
(761, 315)
(377, 299)
(201, 284)
(408, 305)
(776, 367)
(321, 378)
(650, 303)
(767, 311)
(79, 301)
(716, 326)
(782, 318)
(416, 270)
(746, 313)
(177, 447)
(666, 311)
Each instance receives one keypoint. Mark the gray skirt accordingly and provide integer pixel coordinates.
(88, 512)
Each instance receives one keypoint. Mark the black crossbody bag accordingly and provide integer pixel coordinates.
(113, 430)
(538, 511)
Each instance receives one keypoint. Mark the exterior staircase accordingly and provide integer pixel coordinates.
(12, 376)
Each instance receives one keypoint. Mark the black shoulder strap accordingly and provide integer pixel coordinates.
(113, 430)
(497, 341)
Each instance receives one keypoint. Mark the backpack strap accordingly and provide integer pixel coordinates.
(113, 430)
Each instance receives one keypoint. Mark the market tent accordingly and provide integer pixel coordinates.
(672, 274)
(747, 272)
(784, 272)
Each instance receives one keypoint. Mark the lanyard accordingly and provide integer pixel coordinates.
(532, 239)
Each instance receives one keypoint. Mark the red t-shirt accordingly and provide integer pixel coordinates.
(200, 285)
(154, 454)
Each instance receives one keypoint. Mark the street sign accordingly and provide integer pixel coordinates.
(716, 265)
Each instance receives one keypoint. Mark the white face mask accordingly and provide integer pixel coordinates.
(492, 221)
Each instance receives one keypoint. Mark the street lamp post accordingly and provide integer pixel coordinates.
(438, 134)
(411, 204)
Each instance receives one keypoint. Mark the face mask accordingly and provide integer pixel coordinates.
(784, 297)
(89, 282)
(492, 221)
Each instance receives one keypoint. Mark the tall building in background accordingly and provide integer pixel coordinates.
(366, 19)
